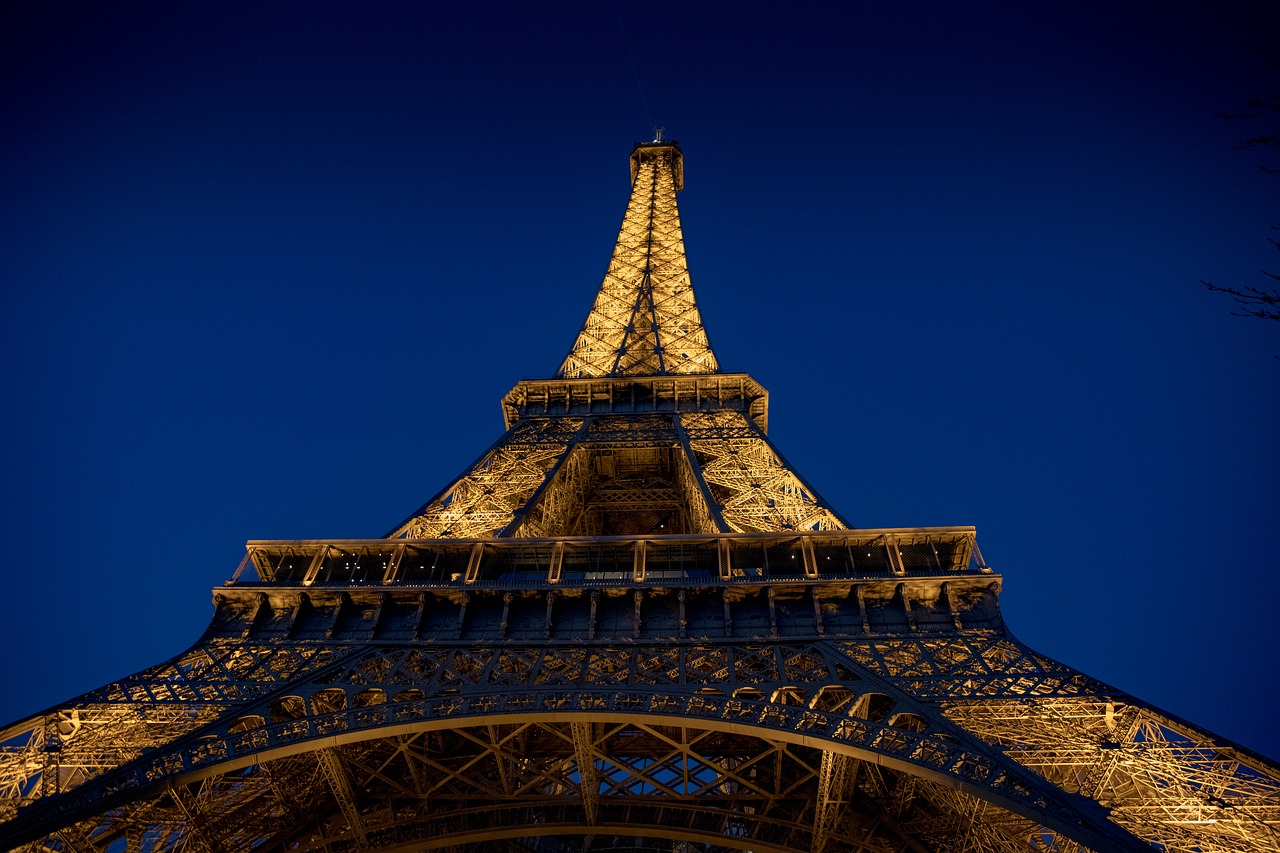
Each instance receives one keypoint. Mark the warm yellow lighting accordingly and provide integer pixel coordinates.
(644, 320)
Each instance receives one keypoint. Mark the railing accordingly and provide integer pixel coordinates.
(672, 560)
(540, 398)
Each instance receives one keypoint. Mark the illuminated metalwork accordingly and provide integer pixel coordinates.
(630, 624)
(644, 320)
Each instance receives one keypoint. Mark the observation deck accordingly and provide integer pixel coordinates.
(675, 588)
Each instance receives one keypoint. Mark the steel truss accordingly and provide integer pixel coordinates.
(759, 713)
(644, 320)
(685, 472)
(630, 624)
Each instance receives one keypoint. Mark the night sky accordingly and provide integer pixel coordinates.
(268, 269)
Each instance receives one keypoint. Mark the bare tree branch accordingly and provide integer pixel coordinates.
(1257, 302)
(1263, 304)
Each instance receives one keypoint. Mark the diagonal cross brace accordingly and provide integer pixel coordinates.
(588, 778)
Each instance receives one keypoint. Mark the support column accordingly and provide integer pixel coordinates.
(336, 775)
(833, 779)
(691, 459)
(588, 780)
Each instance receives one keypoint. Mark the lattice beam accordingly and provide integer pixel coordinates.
(488, 496)
(1162, 781)
(753, 487)
(831, 798)
(588, 779)
(340, 785)
(644, 320)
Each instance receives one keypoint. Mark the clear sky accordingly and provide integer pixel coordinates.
(267, 270)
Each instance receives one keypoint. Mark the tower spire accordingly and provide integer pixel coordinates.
(645, 321)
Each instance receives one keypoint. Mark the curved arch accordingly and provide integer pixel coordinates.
(328, 735)
(553, 819)
(832, 697)
(942, 761)
(246, 722)
(328, 701)
(967, 769)
(790, 695)
(291, 707)
(409, 694)
(908, 720)
(622, 829)
(874, 706)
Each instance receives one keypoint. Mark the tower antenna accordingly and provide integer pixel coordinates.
(632, 59)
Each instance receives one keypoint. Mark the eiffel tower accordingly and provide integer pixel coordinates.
(630, 624)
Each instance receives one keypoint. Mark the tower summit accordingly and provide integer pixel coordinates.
(630, 624)
(645, 321)
(638, 434)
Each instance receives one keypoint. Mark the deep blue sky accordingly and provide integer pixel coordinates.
(267, 272)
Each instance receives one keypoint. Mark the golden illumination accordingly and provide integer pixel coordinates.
(644, 320)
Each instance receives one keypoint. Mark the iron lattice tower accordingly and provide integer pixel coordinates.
(629, 624)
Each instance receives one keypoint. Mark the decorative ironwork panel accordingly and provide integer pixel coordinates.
(486, 498)
(756, 490)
